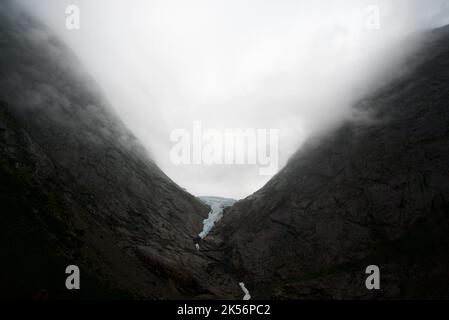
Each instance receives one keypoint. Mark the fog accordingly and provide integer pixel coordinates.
(297, 66)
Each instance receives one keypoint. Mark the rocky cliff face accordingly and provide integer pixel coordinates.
(77, 187)
(371, 192)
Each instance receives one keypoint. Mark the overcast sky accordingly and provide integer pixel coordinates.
(290, 65)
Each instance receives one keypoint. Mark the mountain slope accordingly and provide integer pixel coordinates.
(371, 192)
(76, 186)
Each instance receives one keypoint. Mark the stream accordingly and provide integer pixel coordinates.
(217, 205)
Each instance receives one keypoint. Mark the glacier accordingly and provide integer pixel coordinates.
(217, 205)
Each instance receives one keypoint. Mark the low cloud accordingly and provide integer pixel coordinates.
(296, 66)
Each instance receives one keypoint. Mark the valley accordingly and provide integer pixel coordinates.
(78, 188)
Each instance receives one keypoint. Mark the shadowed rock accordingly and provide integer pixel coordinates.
(76, 186)
(370, 192)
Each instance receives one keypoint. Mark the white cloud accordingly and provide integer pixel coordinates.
(289, 65)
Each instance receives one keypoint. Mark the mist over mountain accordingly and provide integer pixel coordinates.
(367, 193)
(79, 185)
(296, 66)
(76, 186)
